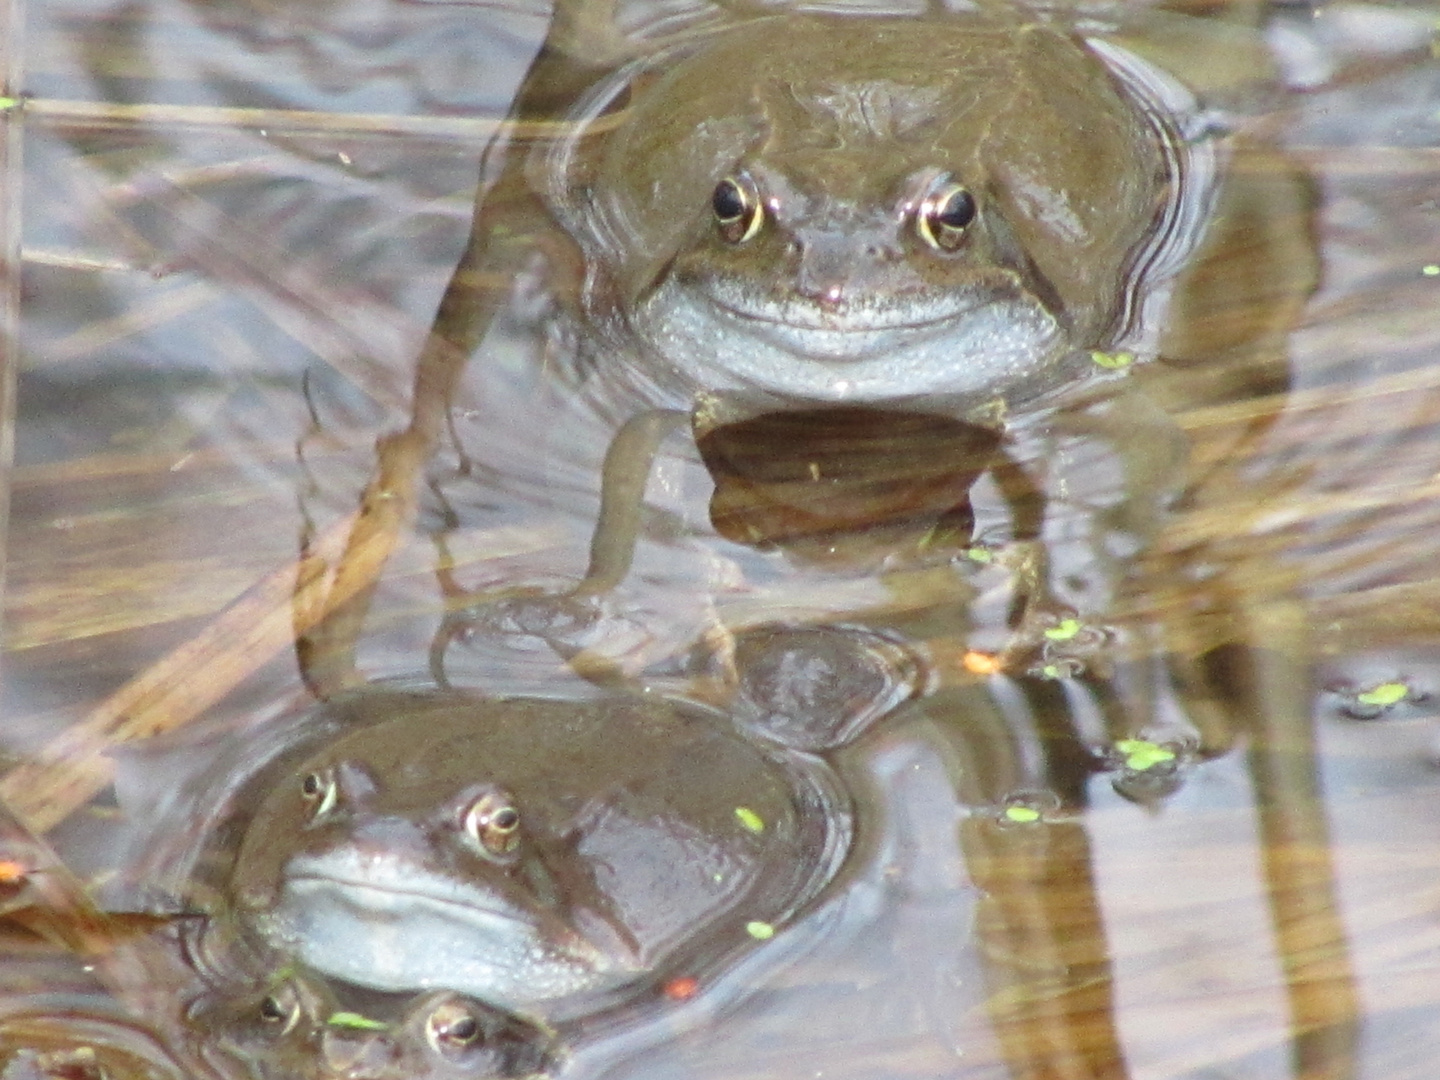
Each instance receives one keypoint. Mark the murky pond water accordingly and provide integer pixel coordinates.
(1055, 684)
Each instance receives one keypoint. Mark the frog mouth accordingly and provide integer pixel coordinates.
(802, 320)
(387, 883)
(964, 343)
(834, 342)
(982, 316)
(381, 920)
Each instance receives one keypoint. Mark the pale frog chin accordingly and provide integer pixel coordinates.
(1003, 342)
(388, 924)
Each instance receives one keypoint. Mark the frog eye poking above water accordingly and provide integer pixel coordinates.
(293, 1026)
(540, 856)
(954, 209)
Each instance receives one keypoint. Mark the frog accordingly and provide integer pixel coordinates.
(956, 209)
(549, 858)
(1000, 215)
(294, 1024)
(948, 213)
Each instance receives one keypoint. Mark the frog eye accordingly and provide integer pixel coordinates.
(493, 822)
(944, 215)
(737, 209)
(280, 1010)
(320, 790)
(451, 1026)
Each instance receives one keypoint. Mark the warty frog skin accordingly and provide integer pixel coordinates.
(957, 210)
(545, 857)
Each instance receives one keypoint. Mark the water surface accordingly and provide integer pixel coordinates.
(235, 222)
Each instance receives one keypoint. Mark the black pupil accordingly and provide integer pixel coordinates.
(957, 211)
(506, 819)
(462, 1030)
(311, 785)
(728, 201)
(270, 1010)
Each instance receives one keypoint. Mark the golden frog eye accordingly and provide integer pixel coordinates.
(451, 1026)
(738, 213)
(493, 822)
(944, 216)
(320, 790)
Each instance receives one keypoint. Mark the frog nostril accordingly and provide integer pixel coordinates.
(828, 296)
(382, 837)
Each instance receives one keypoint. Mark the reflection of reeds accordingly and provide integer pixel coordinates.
(12, 186)
(1346, 525)
(95, 116)
(1310, 508)
(267, 614)
(1338, 502)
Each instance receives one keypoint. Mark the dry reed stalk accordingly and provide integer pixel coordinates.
(101, 115)
(253, 630)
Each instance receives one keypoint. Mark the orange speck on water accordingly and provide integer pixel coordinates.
(682, 988)
(979, 663)
(12, 872)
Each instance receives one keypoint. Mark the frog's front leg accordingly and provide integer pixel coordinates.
(573, 621)
(624, 476)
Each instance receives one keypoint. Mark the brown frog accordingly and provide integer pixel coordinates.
(953, 208)
(945, 213)
(985, 215)
(294, 1026)
(540, 856)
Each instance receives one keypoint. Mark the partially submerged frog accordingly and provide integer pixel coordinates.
(540, 856)
(295, 1027)
(987, 215)
(952, 208)
(945, 212)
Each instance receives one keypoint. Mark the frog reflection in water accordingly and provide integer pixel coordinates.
(537, 855)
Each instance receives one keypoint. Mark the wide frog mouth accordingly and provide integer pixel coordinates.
(838, 317)
(962, 342)
(811, 332)
(382, 920)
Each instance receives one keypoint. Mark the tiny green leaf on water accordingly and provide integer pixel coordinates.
(1390, 693)
(8, 103)
(980, 555)
(750, 820)
(1022, 814)
(1066, 630)
(1052, 671)
(1113, 361)
(355, 1022)
(1141, 754)
(760, 931)
(1431, 270)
